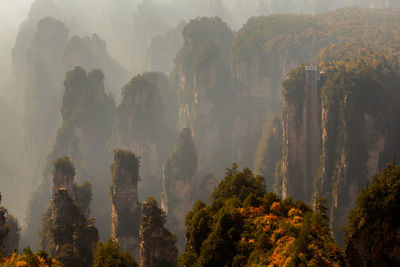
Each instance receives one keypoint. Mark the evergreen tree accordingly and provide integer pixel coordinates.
(246, 226)
(376, 214)
(110, 255)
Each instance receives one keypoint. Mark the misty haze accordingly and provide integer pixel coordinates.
(162, 133)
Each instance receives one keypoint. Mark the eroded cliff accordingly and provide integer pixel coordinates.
(67, 233)
(179, 193)
(141, 126)
(125, 207)
(352, 137)
(205, 90)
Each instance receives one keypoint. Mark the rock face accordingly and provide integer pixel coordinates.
(203, 84)
(384, 250)
(141, 126)
(335, 141)
(63, 176)
(9, 232)
(302, 136)
(157, 244)
(66, 231)
(125, 208)
(73, 224)
(179, 183)
(42, 70)
(206, 187)
(14, 233)
(269, 152)
(87, 115)
(91, 53)
(43, 53)
(163, 48)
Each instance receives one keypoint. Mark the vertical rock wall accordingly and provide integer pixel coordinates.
(66, 231)
(338, 132)
(179, 183)
(302, 135)
(205, 90)
(125, 207)
(63, 176)
(141, 126)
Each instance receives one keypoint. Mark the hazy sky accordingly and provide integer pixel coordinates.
(12, 12)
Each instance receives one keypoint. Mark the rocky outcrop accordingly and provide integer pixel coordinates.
(206, 187)
(335, 141)
(163, 48)
(125, 207)
(67, 233)
(87, 115)
(90, 52)
(10, 232)
(63, 176)
(43, 75)
(14, 233)
(178, 194)
(269, 152)
(42, 55)
(383, 250)
(157, 244)
(266, 48)
(205, 91)
(71, 226)
(141, 126)
(302, 133)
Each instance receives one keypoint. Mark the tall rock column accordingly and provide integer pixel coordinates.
(66, 231)
(141, 126)
(3, 231)
(87, 115)
(125, 206)
(179, 183)
(206, 92)
(157, 247)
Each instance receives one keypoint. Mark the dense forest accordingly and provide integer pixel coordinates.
(120, 120)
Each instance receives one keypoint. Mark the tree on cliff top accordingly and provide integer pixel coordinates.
(212, 35)
(140, 113)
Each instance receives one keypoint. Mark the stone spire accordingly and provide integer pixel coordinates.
(125, 206)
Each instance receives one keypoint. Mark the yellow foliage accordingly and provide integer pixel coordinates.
(16, 260)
